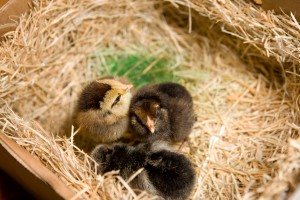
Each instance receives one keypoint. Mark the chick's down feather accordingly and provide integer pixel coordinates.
(102, 113)
(166, 173)
(162, 112)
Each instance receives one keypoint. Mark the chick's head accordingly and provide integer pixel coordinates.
(149, 114)
(102, 154)
(106, 96)
(116, 100)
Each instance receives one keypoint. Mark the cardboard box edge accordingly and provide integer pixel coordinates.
(30, 172)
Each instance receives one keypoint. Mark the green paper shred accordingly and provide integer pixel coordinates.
(139, 68)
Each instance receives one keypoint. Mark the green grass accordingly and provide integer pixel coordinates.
(139, 68)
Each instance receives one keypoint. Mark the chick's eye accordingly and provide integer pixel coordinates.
(116, 100)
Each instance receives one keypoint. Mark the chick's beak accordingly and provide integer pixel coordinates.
(129, 87)
(150, 124)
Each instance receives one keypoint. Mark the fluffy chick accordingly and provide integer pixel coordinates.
(102, 110)
(162, 112)
(167, 174)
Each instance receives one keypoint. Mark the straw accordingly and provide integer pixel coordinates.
(240, 63)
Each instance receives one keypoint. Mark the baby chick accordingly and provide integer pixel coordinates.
(162, 112)
(102, 110)
(167, 174)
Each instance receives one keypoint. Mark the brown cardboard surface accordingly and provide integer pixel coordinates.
(10, 11)
(2, 2)
(10, 189)
(285, 6)
(280, 6)
(30, 172)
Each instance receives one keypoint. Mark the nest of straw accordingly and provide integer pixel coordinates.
(240, 63)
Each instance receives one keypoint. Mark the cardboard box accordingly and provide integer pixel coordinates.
(10, 11)
(280, 6)
(30, 172)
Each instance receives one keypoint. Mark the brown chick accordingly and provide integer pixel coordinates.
(162, 112)
(102, 110)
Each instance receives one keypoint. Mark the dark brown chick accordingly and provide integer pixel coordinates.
(165, 173)
(102, 110)
(162, 112)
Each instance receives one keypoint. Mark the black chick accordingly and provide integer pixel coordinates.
(162, 112)
(167, 174)
(103, 111)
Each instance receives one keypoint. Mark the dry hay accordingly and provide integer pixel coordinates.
(246, 103)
